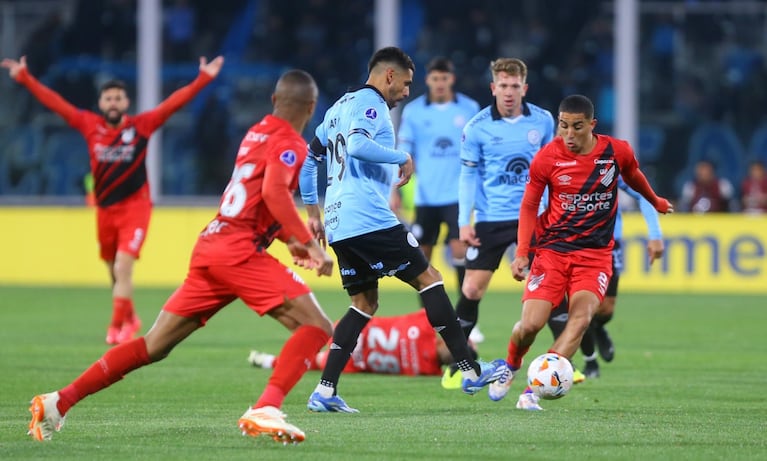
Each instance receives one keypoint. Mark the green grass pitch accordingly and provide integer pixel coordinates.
(688, 383)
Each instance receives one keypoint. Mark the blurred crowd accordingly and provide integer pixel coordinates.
(702, 74)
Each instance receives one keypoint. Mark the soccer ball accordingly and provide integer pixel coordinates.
(550, 376)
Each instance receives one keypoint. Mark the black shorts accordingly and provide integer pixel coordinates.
(363, 259)
(428, 222)
(495, 238)
(612, 287)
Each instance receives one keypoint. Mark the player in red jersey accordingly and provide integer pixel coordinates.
(573, 238)
(230, 261)
(117, 144)
(401, 345)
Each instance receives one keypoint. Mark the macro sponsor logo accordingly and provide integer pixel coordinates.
(517, 171)
(345, 271)
(114, 154)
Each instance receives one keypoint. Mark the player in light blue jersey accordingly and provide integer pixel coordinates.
(597, 334)
(431, 130)
(356, 142)
(498, 145)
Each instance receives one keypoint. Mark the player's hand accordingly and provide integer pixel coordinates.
(321, 260)
(406, 171)
(655, 249)
(664, 206)
(317, 230)
(519, 267)
(468, 236)
(13, 66)
(211, 68)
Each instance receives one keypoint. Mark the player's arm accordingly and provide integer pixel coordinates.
(467, 187)
(307, 183)
(636, 179)
(49, 98)
(174, 102)
(278, 198)
(528, 214)
(655, 245)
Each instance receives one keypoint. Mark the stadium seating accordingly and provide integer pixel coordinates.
(66, 163)
(719, 144)
(20, 160)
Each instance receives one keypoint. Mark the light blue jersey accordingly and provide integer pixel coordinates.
(649, 213)
(356, 140)
(495, 161)
(431, 133)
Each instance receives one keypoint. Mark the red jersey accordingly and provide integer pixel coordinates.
(404, 345)
(117, 155)
(583, 194)
(257, 204)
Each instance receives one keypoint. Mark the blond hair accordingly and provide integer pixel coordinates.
(511, 66)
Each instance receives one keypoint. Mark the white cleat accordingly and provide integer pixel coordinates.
(498, 389)
(45, 416)
(270, 421)
(261, 359)
(528, 401)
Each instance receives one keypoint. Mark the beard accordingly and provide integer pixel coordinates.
(112, 117)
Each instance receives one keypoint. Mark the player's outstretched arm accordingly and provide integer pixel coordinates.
(213, 67)
(14, 67)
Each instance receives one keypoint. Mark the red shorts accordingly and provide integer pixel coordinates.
(262, 282)
(123, 227)
(555, 274)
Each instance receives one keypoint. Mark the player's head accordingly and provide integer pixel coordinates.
(509, 85)
(391, 71)
(295, 97)
(113, 101)
(440, 78)
(576, 123)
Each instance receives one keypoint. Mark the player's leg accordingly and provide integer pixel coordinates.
(107, 232)
(481, 263)
(454, 243)
(605, 310)
(582, 305)
(361, 283)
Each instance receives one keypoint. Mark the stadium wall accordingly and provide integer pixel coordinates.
(57, 246)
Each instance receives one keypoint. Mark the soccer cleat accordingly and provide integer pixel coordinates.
(333, 404)
(270, 421)
(499, 388)
(578, 377)
(112, 334)
(591, 369)
(129, 329)
(45, 416)
(452, 378)
(489, 372)
(604, 344)
(528, 401)
(260, 359)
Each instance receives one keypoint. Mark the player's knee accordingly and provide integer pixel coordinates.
(607, 307)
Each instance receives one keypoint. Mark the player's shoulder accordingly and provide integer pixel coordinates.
(482, 116)
(416, 103)
(619, 146)
(539, 112)
(468, 101)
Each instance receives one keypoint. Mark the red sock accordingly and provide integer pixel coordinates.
(122, 310)
(296, 358)
(552, 351)
(516, 353)
(110, 368)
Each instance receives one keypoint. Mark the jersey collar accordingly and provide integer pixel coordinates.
(497, 115)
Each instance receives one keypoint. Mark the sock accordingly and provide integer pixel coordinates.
(295, 359)
(442, 317)
(516, 353)
(468, 313)
(122, 310)
(344, 340)
(558, 319)
(590, 358)
(588, 342)
(599, 320)
(110, 368)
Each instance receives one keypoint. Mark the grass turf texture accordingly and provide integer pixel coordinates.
(687, 383)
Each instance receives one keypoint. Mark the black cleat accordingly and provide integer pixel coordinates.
(604, 344)
(591, 369)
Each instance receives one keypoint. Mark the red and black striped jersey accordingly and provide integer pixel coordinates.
(583, 193)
